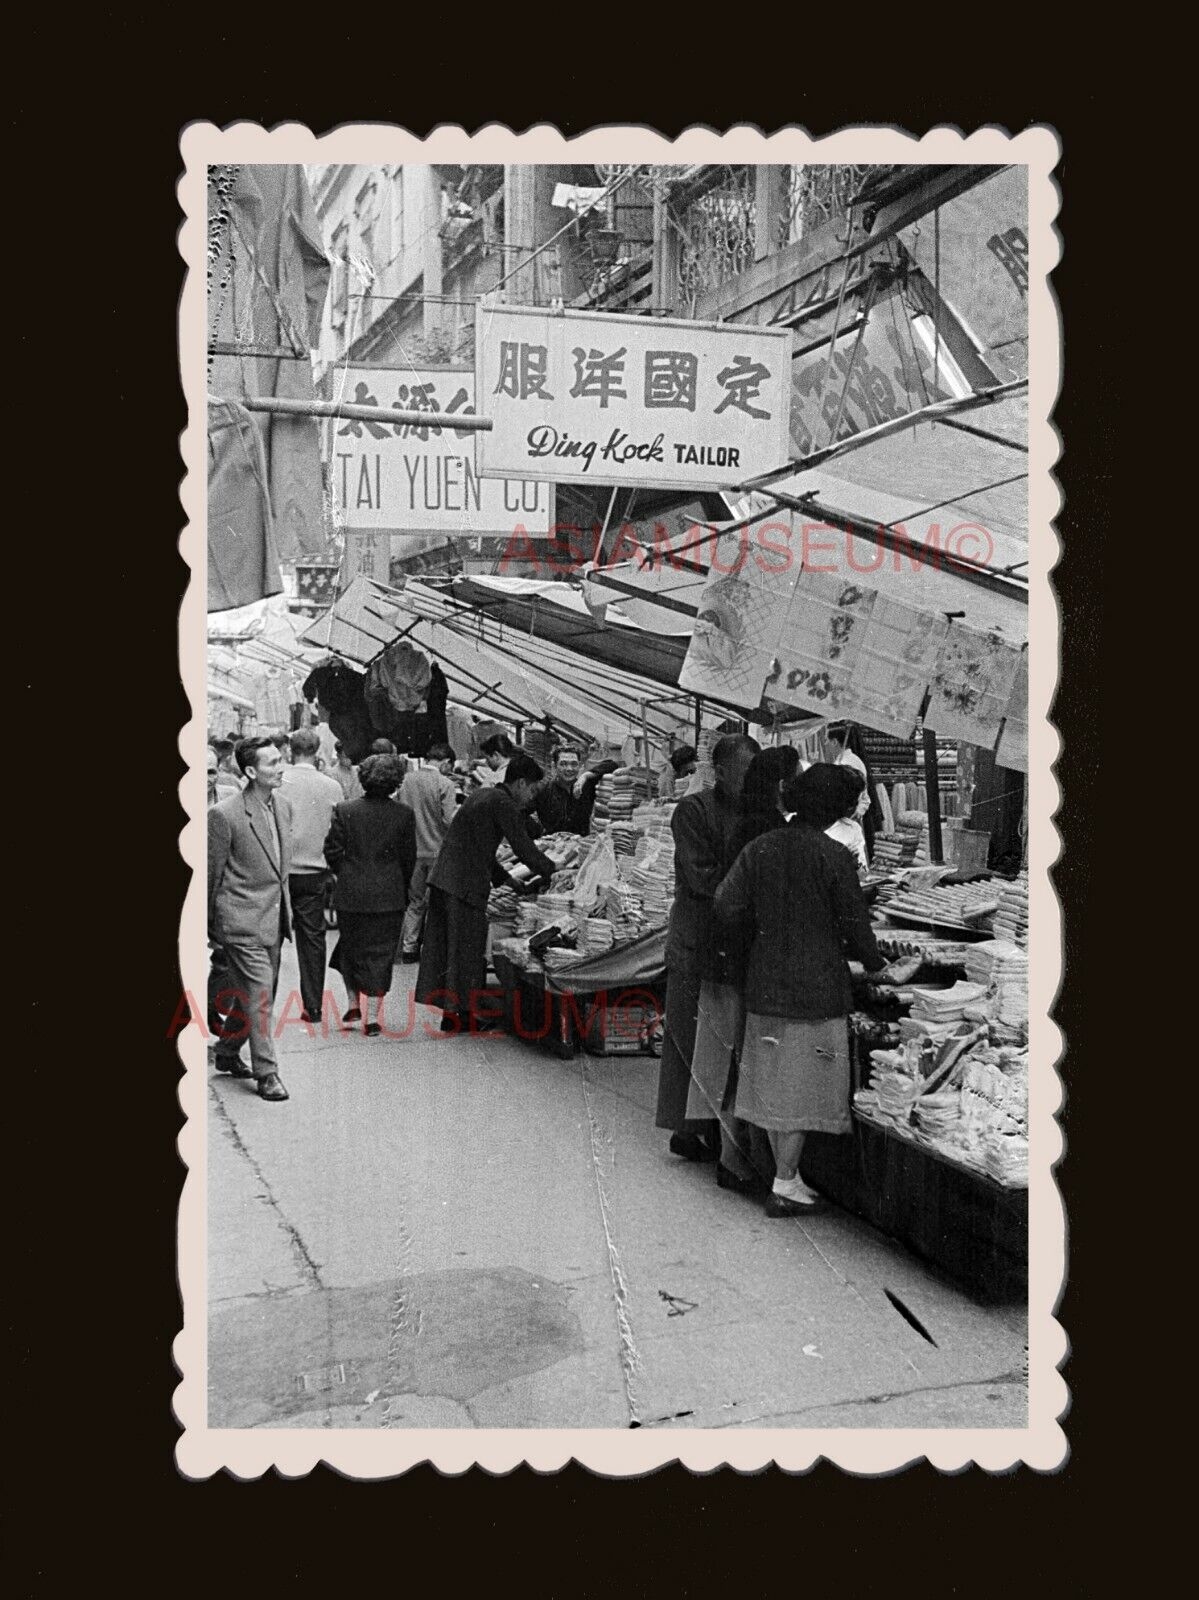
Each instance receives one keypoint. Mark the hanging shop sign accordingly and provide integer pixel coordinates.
(587, 397)
(421, 478)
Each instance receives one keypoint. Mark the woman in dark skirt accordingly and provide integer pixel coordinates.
(371, 846)
(793, 897)
(745, 1155)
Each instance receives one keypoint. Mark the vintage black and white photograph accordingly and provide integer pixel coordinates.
(620, 946)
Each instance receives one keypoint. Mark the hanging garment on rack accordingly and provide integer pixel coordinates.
(405, 673)
(339, 691)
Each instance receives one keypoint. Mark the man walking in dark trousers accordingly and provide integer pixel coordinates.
(249, 860)
(312, 795)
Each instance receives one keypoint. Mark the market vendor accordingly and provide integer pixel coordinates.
(565, 803)
(496, 751)
(850, 786)
(453, 961)
(843, 748)
(680, 765)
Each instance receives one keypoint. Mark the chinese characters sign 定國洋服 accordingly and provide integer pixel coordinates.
(597, 398)
(420, 477)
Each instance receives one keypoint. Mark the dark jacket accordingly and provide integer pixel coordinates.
(247, 882)
(560, 810)
(703, 826)
(466, 867)
(794, 896)
(371, 846)
(733, 948)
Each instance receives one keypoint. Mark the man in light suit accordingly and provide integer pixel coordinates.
(249, 858)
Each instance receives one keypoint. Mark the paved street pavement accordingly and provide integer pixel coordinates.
(470, 1232)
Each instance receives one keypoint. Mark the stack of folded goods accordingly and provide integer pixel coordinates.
(557, 956)
(502, 907)
(554, 906)
(624, 837)
(621, 905)
(894, 1083)
(703, 753)
(540, 745)
(899, 846)
(601, 810)
(946, 1005)
(516, 950)
(957, 905)
(894, 942)
(596, 934)
(938, 1116)
(995, 1104)
(527, 920)
(1005, 1157)
(623, 798)
(1003, 967)
(650, 818)
(1011, 919)
(651, 876)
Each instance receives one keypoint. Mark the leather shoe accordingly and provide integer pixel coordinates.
(726, 1178)
(353, 1015)
(691, 1147)
(373, 1029)
(234, 1066)
(779, 1206)
(271, 1088)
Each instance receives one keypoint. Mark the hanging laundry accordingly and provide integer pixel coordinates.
(243, 561)
(405, 673)
(339, 690)
(972, 686)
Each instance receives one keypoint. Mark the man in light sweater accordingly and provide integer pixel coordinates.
(313, 796)
(432, 794)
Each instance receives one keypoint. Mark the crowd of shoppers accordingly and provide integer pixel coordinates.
(768, 910)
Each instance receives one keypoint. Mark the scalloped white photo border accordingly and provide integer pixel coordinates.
(1042, 1445)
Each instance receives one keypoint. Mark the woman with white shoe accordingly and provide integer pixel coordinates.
(794, 896)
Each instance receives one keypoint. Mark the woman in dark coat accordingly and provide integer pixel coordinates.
(745, 1159)
(371, 846)
(794, 896)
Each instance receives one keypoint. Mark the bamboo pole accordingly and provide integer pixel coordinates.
(385, 416)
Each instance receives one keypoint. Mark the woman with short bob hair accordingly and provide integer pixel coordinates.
(371, 846)
(793, 896)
